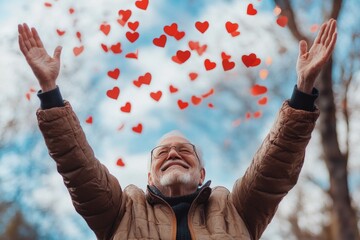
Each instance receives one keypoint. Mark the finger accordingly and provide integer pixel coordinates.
(321, 32)
(303, 47)
(331, 33)
(37, 38)
(30, 38)
(326, 32)
(22, 46)
(57, 53)
(332, 44)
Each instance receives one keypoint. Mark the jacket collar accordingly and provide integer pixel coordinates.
(154, 196)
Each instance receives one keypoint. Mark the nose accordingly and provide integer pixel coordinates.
(173, 154)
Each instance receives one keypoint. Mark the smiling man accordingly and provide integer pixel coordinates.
(177, 205)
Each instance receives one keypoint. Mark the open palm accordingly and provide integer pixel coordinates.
(45, 67)
(310, 62)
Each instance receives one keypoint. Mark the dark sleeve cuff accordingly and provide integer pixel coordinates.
(51, 99)
(303, 101)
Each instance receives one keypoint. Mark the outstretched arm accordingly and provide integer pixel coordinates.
(276, 165)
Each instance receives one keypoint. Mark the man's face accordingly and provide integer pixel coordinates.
(175, 163)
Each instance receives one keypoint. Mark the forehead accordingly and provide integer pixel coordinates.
(173, 140)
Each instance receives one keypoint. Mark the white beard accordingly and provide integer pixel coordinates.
(175, 177)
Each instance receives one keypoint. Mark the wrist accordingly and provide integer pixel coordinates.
(47, 88)
(304, 86)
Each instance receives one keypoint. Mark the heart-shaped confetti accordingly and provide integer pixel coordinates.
(182, 105)
(114, 74)
(156, 95)
(202, 26)
(262, 101)
(124, 16)
(183, 56)
(171, 30)
(236, 33)
(105, 28)
(209, 93)
(257, 114)
(251, 60)
(224, 56)
(78, 50)
(116, 48)
(89, 120)
(113, 93)
(104, 47)
(47, 4)
(173, 89)
(263, 73)
(145, 79)
(160, 41)
(196, 100)
(126, 108)
(209, 65)
(28, 96)
(120, 162)
(133, 25)
(132, 36)
(210, 105)
(78, 35)
(251, 10)
(231, 27)
(193, 45)
(60, 32)
(258, 90)
(71, 10)
(142, 4)
(179, 35)
(282, 21)
(138, 128)
(132, 55)
(193, 76)
(227, 64)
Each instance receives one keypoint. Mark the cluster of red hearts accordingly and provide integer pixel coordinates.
(181, 56)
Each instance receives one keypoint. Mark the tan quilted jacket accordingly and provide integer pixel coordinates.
(216, 213)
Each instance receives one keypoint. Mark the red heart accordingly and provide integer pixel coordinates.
(209, 65)
(193, 76)
(179, 35)
(120, 163)
(183, 56)
(248, 115)
(160, 41)
(59, 32)
(209, 93)
(104, 47)
(282, 21)
(258, 90)
(231, 27)
(210, 105)
(262, 101)
(78, 35)
(114, 74)
(133, 25)
(171, 30)
(116, 48)
(251, 10)
(156, 95)
(195, 100)
(89, 120)
(193, 45)
(173, 89)
(28, 95)
(175, 59)
(224, 56)
(182, 105)
(251, 60)
(78, 50)
(126, 108)
(132, 36)
(113, 93)
(227, 65)
(71, 10)
(48, 4)
(236, 33)
(202, 26)
(146, 79)
(257, 114)
(138, 128)
(142, 4)
(105, 28)
(132, 55)
(124, 16)
(201, 49)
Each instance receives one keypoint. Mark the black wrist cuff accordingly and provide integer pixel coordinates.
(303, 101)
(51, 98)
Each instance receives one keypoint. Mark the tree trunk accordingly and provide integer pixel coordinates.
(336, 162)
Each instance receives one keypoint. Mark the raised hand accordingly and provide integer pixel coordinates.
(45, 67)
(310, 62)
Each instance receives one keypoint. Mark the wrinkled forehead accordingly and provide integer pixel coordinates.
(170, 140)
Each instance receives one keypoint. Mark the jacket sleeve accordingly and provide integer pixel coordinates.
(274, 169)
(95, 193)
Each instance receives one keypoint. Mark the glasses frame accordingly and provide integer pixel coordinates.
(194, 148)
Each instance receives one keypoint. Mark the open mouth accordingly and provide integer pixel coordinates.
(170, 164)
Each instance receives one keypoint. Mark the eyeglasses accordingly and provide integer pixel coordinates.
(183, 149)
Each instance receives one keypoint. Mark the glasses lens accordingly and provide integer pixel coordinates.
(182, 149)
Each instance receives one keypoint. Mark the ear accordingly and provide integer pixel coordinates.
(150, 181)
(202, 176)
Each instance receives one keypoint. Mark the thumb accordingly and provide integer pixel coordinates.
(57, 52)
(303, 47)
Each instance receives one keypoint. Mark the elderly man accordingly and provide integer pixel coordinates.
(177, 205)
